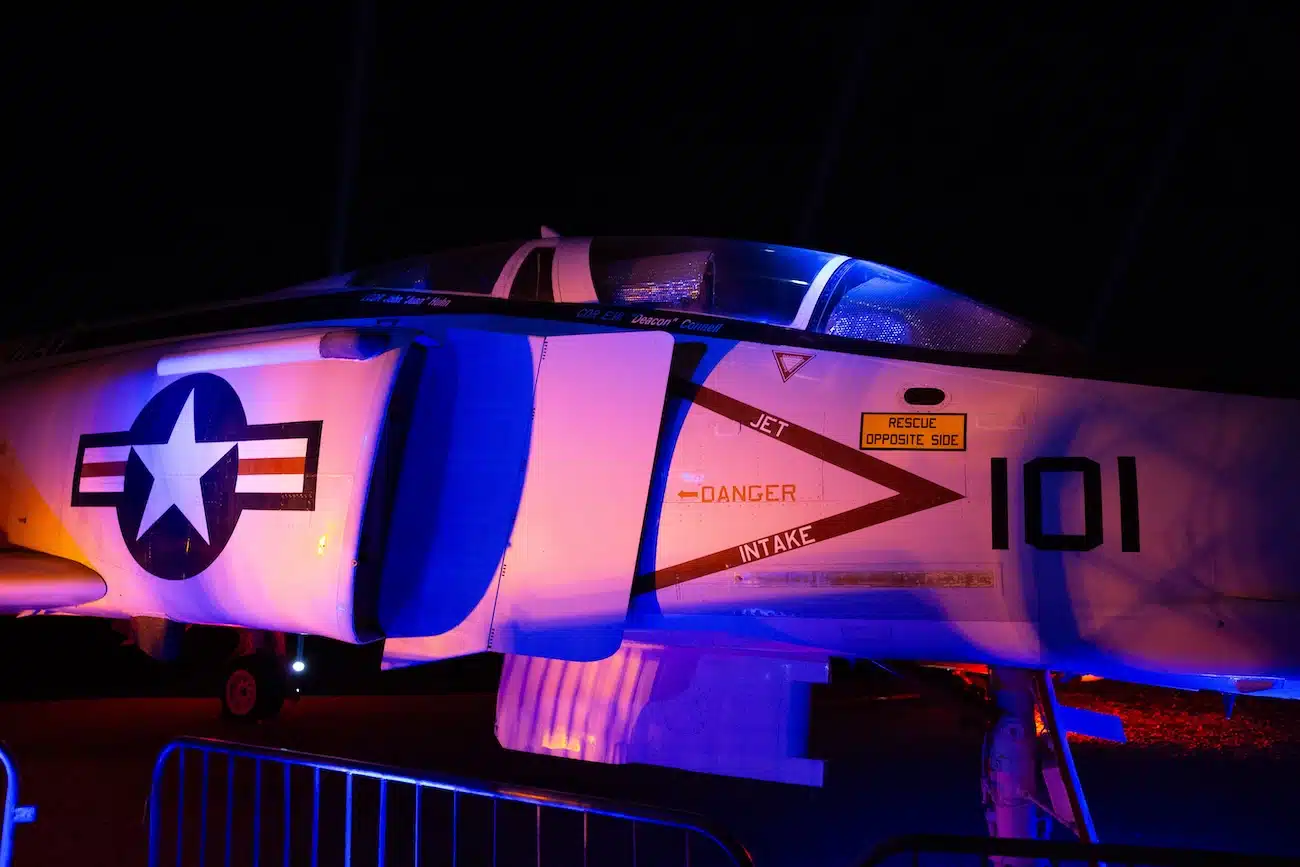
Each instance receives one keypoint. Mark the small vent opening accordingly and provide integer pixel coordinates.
(924, 396)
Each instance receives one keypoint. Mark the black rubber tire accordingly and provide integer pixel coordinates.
(253, 689)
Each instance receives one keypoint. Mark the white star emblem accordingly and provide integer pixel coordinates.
(177, 466)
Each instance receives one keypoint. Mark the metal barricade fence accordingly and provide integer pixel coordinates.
(11, 802)
(925, 850)
(14, 813)
(284, 807)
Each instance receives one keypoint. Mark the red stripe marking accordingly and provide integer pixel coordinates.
(272, 466)
(247, 467)
(102, 469)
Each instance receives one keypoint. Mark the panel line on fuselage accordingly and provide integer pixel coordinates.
(364, 304)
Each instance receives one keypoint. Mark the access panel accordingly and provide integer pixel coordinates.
(519, 513)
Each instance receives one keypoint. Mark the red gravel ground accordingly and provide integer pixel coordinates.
(1184, 723)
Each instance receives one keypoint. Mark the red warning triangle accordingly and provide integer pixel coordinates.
(789, 362)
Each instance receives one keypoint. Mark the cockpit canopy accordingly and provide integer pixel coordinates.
(784, 286)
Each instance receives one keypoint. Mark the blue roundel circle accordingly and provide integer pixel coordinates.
(178, 508)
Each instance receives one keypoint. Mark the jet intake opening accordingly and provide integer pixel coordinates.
(519, 509)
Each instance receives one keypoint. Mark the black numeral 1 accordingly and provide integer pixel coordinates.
(1093, 533)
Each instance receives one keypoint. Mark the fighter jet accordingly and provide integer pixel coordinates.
(668, 479)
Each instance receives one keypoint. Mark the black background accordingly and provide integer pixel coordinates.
(1123, 172)
(1124, 165)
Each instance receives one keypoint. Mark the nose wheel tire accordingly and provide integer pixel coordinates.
(254, 688)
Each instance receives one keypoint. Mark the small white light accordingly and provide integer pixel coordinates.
(299, 666)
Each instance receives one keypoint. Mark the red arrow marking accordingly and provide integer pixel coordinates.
(912, 493)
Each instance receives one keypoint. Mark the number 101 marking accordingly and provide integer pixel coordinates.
(1091, 537)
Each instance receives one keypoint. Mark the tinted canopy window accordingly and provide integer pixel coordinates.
(473, 269)
(872, 302)
(758, 282)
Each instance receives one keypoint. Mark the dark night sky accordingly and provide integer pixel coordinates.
(1025, 155)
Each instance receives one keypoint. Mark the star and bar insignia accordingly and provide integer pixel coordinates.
(188, 467)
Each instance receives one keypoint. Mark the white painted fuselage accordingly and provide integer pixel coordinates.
(447, 473)
(759, 529)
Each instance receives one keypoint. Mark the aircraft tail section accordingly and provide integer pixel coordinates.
(517, 516)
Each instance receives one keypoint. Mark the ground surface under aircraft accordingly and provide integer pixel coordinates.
(738, 459)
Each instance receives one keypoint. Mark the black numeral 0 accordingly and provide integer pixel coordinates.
(1093, 534)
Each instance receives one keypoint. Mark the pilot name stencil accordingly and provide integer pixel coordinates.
(913, 431)
(647, 320)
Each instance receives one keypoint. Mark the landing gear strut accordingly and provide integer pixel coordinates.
(1011, 760)
(1029, 775)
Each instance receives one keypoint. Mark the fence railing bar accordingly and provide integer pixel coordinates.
(257, 811)
(416, 860)
(636, 814)
(347, 827)
(180, 805)
(11, 808)
(1068, 851)
(643, 813)
(203, 814)
(315, 817)
(230, 807)
(383, 820)
(288, 815)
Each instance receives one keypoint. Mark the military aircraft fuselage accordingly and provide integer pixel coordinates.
(457, 473)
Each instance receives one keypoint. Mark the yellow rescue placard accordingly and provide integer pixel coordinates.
(913, 431)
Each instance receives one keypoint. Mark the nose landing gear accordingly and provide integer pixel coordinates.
(1029, 775)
